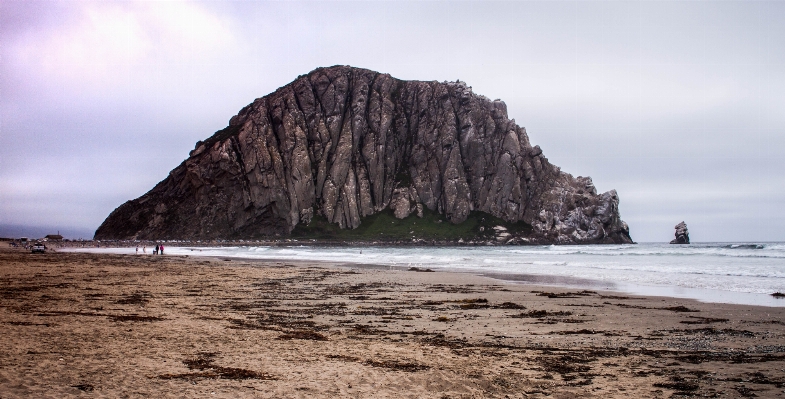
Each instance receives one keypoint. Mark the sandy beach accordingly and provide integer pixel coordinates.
(96, 325)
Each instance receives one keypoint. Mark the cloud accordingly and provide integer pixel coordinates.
(96, 38)
(660, 100)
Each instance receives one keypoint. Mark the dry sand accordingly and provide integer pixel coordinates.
(88, 325)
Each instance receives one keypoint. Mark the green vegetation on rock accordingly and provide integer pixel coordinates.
(384, 226)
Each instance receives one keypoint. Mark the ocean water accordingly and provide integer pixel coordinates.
(742, 273)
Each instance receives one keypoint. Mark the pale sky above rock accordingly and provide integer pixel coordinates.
(678, 105)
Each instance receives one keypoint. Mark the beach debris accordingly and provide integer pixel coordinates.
(277, 322)
(28, 323)
(344, 358)
(13, 292)
(745, 391)
(778, 295)
(615, 297)
(747, 357)
(135, 317)
(396, 365)
(538, 314)
(679, 383)
(209, 370)
(304, 334)
(361, 329)
(390, 364)
(475, 300)
(453, 289)
(417, 269)
(452, 343)
(137, 298)
(575, 332)
(565, 364)
(564, 294)
(84, 387)
(680, 308)
(682, 235)
(478, 303)
(703, 320)
(509, 305)
(724, 331)
(760, 378)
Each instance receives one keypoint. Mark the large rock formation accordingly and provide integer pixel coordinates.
(682, 234)
(344, 143)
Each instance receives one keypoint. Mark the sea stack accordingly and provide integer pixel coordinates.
(342, 144)
(682, 235)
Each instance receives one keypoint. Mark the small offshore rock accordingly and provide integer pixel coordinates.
(682, 235)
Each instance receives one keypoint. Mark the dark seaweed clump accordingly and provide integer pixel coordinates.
(208, 369)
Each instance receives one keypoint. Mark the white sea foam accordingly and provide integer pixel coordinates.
(703, 270)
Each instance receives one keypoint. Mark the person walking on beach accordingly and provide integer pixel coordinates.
(161, 249)
(137, 250)
(155, 251)
(144, 249)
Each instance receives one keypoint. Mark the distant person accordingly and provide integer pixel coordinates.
(137, 250)
(155, 251)
(144, 249)
(162, 249)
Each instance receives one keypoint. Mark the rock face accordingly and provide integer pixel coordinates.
(345, 143)
(682, 235)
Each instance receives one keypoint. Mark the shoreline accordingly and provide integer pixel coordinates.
(548, 280)
(176, 326)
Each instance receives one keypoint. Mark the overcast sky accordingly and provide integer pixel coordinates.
(678, 105)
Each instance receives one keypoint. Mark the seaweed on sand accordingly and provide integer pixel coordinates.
(133, 317)
(564, 294)
(84, 387)
(509, 305)
(395, 365)
(478, 303)
(137, 298)
(207, 369)
(303, 334)
(538, 314)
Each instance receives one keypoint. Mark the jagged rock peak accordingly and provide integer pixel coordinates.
(344, 143)
(682, 235)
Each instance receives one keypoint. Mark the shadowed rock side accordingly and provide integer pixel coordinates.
(345, 143)
(682, 234)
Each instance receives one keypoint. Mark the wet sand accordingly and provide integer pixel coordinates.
(99, 325)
